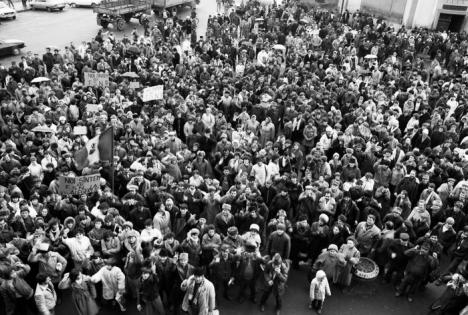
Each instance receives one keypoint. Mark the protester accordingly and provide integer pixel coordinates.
(283, 130)
(83, 292)
(200, 294)
(45, 295)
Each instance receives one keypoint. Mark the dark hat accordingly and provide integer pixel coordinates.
(199, 271)
(404, 236)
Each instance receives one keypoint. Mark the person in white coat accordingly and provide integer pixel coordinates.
(319, 289)
(113, 283)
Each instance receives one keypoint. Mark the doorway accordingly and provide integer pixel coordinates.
(450, 22)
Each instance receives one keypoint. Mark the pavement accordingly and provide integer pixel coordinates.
(364, 298)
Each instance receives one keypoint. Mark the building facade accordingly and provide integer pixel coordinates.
(448, 15)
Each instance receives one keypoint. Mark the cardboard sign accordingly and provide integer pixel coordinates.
(80, 130)
(134, 85)
(96, 79)
(79, 185)
(92, 108)
(153, 93)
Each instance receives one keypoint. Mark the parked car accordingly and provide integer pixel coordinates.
(49, 5)
(6, 12)
(84, 3)
(10, 47)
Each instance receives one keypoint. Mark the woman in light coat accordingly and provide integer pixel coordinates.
(351, 255)
(319, 289)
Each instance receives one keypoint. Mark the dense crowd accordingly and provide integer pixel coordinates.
(287, 138)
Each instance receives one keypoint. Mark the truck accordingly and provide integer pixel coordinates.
(168, 4)
(119, 12)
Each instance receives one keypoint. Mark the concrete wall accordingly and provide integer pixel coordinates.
(426, 11)
(390, 9)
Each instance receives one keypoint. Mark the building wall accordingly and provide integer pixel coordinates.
(390, 9)
(428, 11)
(425, 13)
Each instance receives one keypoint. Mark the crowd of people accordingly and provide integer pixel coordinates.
(288, 137)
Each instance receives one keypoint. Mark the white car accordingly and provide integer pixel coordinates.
(49, 5)
(6, 12)
(84, 3)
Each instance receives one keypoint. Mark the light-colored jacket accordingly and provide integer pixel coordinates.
(113, 281)
(206, 296)
(319, 289)
(45, 298)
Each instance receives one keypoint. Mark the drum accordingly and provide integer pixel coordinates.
(366, 269)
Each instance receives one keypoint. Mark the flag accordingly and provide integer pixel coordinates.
(96, 149)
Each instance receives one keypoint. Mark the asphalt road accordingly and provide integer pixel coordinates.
(365, 298)
(39, 29)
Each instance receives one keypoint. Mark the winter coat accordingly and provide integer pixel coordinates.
(366, 237)
(205, 297)
(113, 281)
(319, 289)
(280, 244)
(279, 279)
(329, 264)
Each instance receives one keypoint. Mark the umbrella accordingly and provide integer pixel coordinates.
(42, 129)
(133, 50)
(40, 79)
(370, 57)
(132, 75)
(280, 47)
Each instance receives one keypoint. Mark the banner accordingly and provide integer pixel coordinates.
(153, 93)
(92, 108)
(79, 185)
(96, 79)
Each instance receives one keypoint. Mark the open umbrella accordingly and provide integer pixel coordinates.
(133, 50)
(280, 47)
(370, 57)
(40, 79)
(131, 75)
(42, 129)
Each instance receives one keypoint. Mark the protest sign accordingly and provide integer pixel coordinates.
(96, 79)
(92, 108)
(79, 185)
(80, 130)
(134, 85)
(153, 93)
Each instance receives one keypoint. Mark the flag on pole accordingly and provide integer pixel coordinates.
(96, 149)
